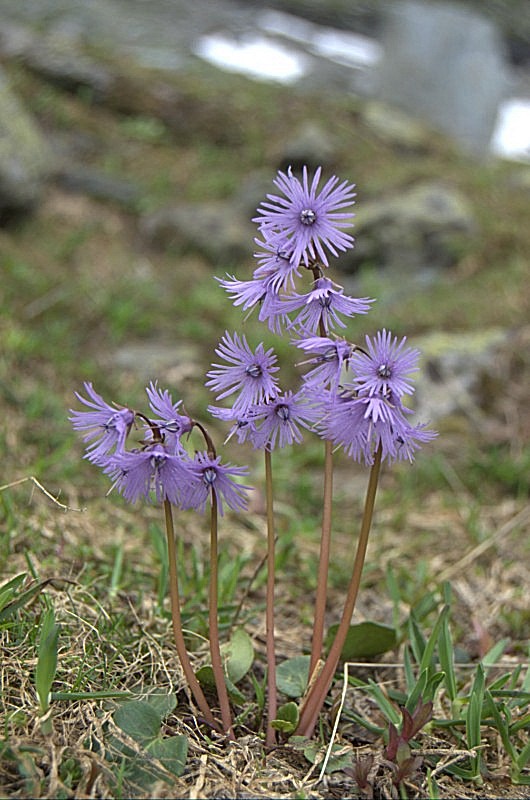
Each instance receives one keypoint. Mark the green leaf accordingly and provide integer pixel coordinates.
(339, 759)
(389, 709)
(139, 720)
(162, 703)
(98, 695)
(238, 655)
(427, 659)
(417, 639)
(493, 655)
(287, 718)
(418, 691)
(447, 659)
(292, 676)
(365, 640)
(205, 676)
(172, 753)
(7, 590)
(12, 605)
(46, 659)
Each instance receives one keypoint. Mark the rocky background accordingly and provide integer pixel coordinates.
(106, 111)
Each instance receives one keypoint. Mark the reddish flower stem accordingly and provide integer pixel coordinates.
(191, 678)
(323, 564)
(215, 651)
(270, 739)
(317, 694)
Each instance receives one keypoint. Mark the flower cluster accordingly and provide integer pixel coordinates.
(159, 467)
(351, 395)
(298, 231)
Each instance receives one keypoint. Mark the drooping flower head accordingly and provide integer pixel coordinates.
(327, 357)
(105, 427)
(325, 305)
(212, 476)
(282, 418)
(275, 264)
(171, 424)
(363, 424)
(312, 220)
(243, 424)
(384, 368)
(249, 372)
(152, 472)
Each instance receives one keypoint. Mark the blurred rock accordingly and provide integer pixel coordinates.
(214, 230)
(423, 228)
(62, 63)
(446, 64)
(91, 182)
(452, 373)
(174, 363)
(396, 128)
(24, 156)
(312, 144)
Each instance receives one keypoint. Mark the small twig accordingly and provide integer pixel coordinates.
(48, 494)
(456, 755)
(336, 723)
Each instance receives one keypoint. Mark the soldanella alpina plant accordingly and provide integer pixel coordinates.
(351, 395)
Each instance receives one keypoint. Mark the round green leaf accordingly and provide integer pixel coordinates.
(139, 720)
(287, 718)
(365, 640)
(171, 753)
(238, 654)
(292, 676)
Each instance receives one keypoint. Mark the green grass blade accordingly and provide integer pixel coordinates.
(447, 658)
(474, 720)
(417, 640)
(46, 665)
(427, 659)
(500, 724)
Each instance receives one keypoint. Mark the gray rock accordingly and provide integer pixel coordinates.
(446, 64)
(82, 180)
(62, 63)
(215, 230)
(423, 228)
(312, 144)
(397, 129)
(452, 373)
(170, 363)
(24, 156)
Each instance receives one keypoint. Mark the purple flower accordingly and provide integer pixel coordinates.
(243, 425)
(276, 267)
(248, 372)
(105, 426)
(282, 418)
(169, 422)
(383, 370)
(151, 471)
(328, 356)
(361, 424)
(323, 305)
(312, 220)
(255, 292)
(212, 476)
(246, 293)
